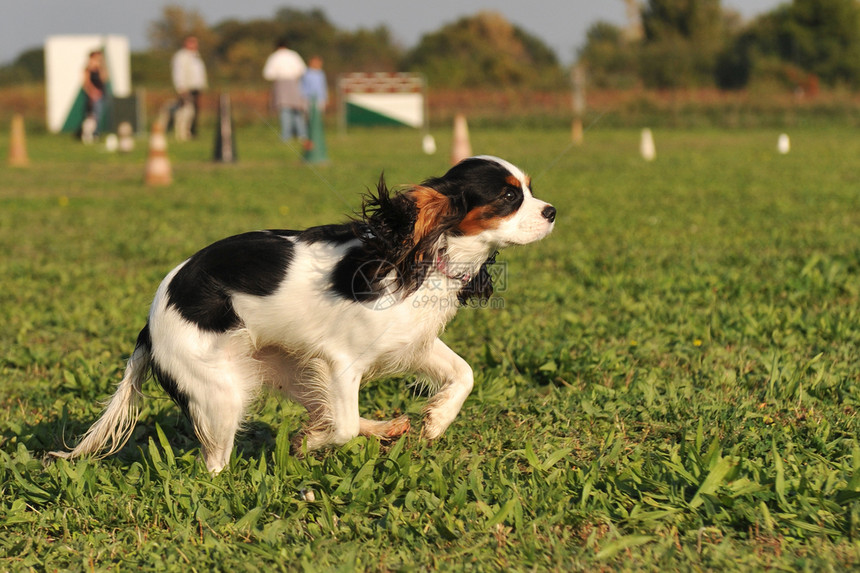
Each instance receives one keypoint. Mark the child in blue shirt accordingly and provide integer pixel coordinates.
(314, 85)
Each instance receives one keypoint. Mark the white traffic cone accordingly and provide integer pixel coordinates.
(126, 137)
(783, 144)
(646, 145)
(158, 170)
(428, 144)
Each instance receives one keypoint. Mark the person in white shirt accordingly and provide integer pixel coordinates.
(285, 68)
(189, 77)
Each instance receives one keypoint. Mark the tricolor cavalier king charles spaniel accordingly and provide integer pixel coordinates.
(314, 313)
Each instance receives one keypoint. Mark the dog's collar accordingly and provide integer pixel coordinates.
(444, 267)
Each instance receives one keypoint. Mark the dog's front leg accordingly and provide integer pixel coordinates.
(343, 396)
(332, 402)
(454, 378)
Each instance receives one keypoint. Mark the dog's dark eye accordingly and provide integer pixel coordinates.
(509, 195)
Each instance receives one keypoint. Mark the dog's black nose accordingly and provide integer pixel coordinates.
(548, 213)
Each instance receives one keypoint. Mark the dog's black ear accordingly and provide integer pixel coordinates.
(405, 229)
(390, 218)
(385, 227)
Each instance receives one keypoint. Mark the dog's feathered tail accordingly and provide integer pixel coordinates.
(113, 429)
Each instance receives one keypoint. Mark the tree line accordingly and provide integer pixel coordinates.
(667, 44)
(480, 50)
(697, 43)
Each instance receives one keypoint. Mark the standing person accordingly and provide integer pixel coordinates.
(285, 69)
(189, 77)
(315, 90)
(95, 80)
(314, 85)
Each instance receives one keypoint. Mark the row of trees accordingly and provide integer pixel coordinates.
(481, 50)
(686, 43)
(667, 44)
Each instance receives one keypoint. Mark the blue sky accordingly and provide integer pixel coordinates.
(561, 24)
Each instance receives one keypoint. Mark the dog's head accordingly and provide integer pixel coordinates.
(488, 199)
(458, 220)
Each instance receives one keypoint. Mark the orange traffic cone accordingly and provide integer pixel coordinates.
(576, 133)
(17, 144)
(461, 149)
(158, 171)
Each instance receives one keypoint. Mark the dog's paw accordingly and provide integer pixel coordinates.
(433, 428)
(385, 429)
(306, 441)
(397, 427)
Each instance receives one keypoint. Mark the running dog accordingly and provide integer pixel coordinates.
(314, 313)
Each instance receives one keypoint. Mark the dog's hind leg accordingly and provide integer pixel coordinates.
(215, 406)
(216, 421)
(213, 387)
(455, 380)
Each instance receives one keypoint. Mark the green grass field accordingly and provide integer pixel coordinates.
(670, 381)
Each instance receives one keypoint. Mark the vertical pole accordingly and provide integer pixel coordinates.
(426, 105)
(140, 111)
(17, 143)
(577, 77)
(226, 129)
(341, 106)
(225, 137)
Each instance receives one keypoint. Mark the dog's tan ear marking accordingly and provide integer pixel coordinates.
(513, 181)
(478, 220)
(433, 207)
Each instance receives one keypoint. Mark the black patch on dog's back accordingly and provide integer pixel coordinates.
(360, 274)
(361, 278)
(251, 263)
(335, 234)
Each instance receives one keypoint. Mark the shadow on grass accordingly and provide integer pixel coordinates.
(60, 433)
